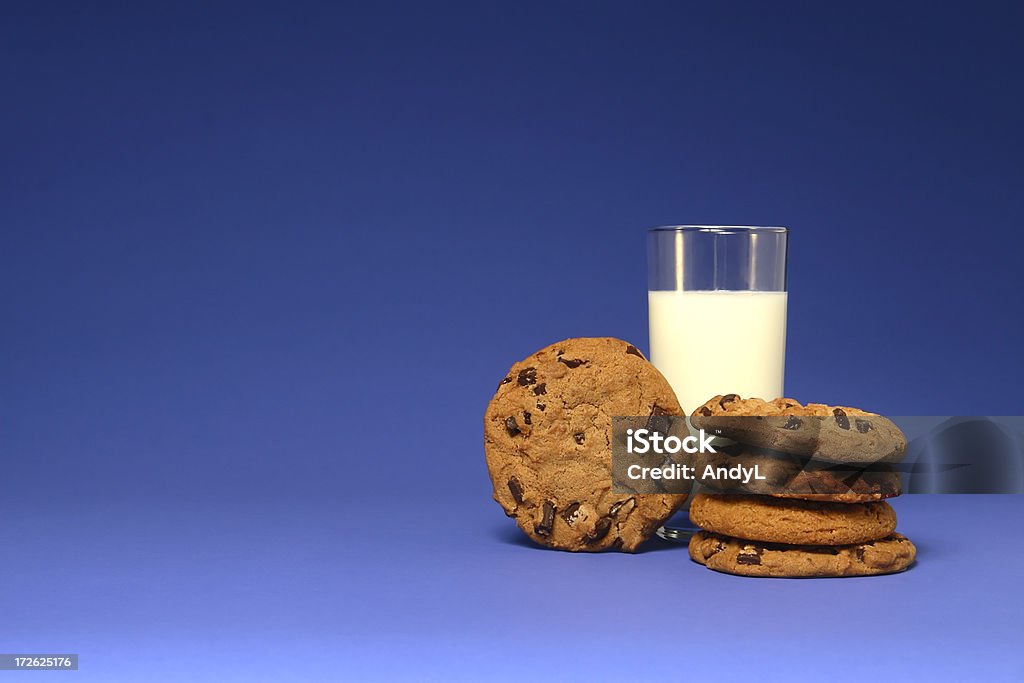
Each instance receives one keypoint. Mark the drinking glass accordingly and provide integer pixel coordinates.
(716, 297)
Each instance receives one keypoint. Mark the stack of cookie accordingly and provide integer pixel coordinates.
(820, 510)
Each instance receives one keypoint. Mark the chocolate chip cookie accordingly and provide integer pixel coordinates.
(833, 433)
(798, 522)
(894, 553)
(547, 436)
(791, 476)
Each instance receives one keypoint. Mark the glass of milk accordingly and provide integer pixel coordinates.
(716, 297)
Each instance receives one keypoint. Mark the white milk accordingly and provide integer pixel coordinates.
(719, 342)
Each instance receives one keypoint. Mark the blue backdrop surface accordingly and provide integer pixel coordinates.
(263, 264)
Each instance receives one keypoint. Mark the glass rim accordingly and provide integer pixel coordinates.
(721, 229)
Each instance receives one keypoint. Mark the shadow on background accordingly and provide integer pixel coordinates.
(511, 535)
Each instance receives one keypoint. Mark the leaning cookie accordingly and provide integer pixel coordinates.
(799, 522)
(547, 436)
(894, 553)
(785, 475)
(833, 433)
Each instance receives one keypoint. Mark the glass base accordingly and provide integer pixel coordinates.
(678, 528)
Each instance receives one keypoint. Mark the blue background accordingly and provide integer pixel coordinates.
(263, 265)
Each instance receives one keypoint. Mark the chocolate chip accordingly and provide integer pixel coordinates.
(541, 407)
(570, 513)
(733, 449)
(600, 530)
(841, 419)
(571, 363)
(705, 411)
(614, 510)
(793, 423)
(863, 426)
(659, 420)
(540, 389)
(728, 398)
(526, 417)
(504, 381)
(516, 489)
(633, 351)
(749, 555)
(511, 426)
(527, 377)
(858, 552)
(547, 521)
(719, 547)
(579, 437)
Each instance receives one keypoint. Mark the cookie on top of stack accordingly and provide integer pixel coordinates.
(821, 511)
